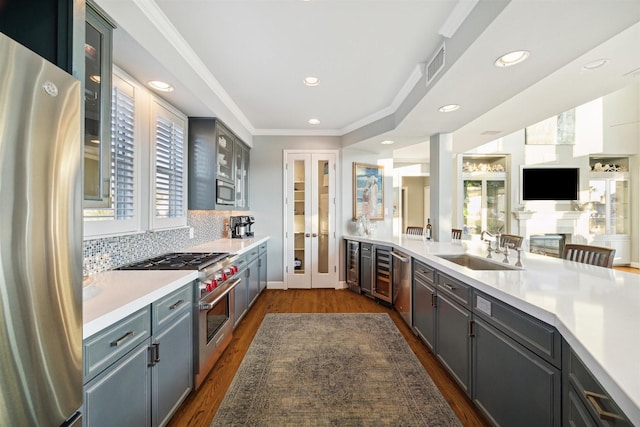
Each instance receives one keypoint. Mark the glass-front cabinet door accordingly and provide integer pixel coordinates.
(310, 210)
(609, 200)
(484, 204)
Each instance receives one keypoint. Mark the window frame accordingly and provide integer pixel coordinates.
(97, 228)
(160, 108)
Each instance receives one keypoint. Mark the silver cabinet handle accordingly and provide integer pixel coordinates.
(122, 338)
(176, 305)
(314, 235)
(307, 235)
(402, 259)
(448, 286)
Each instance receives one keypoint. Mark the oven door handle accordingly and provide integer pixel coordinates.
(208, 305)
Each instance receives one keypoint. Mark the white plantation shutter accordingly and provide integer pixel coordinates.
(122, 155)
(170, 172)
(122, 213)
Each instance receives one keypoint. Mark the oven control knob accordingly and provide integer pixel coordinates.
(229, 271)
(235, 269)
(224, 276)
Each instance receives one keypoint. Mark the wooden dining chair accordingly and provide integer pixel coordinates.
(456, 234)
(511, 240)
(589, 254)
(415, 231)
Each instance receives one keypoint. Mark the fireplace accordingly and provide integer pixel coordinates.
(547, 244)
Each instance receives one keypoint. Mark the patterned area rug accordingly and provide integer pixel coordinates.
(332, 370)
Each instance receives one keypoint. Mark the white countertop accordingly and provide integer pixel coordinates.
(596, 309)
(235, 246)
(115, 294)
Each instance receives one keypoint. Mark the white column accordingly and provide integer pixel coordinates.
(441, 180)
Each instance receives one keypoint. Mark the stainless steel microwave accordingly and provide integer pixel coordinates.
(225, 193)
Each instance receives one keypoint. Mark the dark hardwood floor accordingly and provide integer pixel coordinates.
(200, 406)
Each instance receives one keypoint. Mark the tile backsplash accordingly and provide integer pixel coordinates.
(110, 252)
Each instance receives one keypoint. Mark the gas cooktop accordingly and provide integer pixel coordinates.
(177, 261)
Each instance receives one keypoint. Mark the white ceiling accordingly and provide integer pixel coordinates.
(244, 61)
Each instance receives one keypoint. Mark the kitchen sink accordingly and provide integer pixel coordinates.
(477, 263)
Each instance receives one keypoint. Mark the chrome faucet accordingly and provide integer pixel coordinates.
(489, 248)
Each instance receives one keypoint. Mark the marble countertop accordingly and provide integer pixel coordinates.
(112, 295)
(596, 309)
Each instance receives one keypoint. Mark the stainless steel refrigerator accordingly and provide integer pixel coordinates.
(40, 241)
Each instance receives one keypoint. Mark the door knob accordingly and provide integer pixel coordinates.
(314, 235)
(307, 235)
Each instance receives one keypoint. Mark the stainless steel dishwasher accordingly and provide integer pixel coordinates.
(402, 285)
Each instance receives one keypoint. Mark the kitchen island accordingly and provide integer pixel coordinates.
(595, 309)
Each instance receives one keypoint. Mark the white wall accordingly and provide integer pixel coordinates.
(266, 189)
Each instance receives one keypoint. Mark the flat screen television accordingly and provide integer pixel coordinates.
(550, 183)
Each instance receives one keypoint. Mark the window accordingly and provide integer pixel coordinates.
(169, 180)
(121, 213)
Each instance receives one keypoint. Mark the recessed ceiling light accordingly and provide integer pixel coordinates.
(387, 142)
(95, 78)
(511, 58)
(595, 64)
(448, 108)
(311, 81)
(161, 86)
(314, 121)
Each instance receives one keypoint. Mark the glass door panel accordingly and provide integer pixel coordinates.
(618, 196)
(598, 199)
(323, 216)
(496, 207)
(299, 219)
(472, 206)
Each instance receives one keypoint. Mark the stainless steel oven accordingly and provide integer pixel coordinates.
(214, 308)
(225, 193)
(215, 326)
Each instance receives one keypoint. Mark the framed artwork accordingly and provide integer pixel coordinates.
(557, 130)
(368, 191)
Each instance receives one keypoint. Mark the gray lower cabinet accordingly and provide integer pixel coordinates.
(453, 343)
(424, 303)
(366, 278)
(241, 297)
(512, 385)
(172, 376)
(139, 370)
(121, 395)
(453, 340)
(262, 265)
(246, 292)
(586, 402)
(253, 277)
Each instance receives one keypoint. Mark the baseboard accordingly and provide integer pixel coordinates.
(280, 285)
(276, 285)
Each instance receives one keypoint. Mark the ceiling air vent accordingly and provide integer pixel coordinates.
(435, 65)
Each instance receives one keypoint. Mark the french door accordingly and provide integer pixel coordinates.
(310, 225)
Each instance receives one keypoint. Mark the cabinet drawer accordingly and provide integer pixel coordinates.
(599, 404)
(251, 254)
(241, 262)
(107, 346)
(262, 248)
(166, 309)
(458, 291)
(424, 272)
(539, 337)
